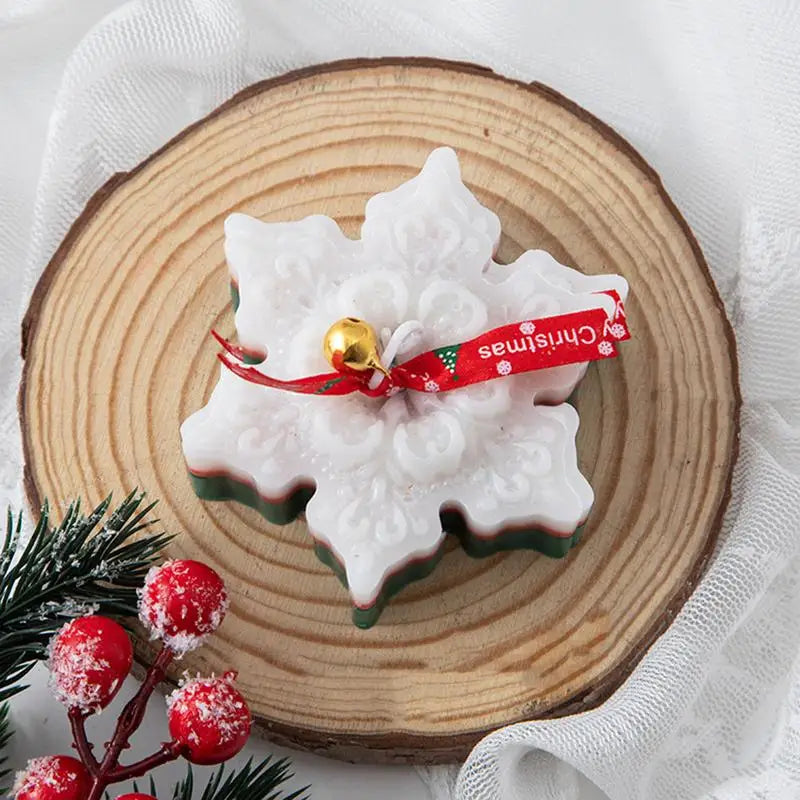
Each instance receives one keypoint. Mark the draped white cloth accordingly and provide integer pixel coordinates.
(709, 92)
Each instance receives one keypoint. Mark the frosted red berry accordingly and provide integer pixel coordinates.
(182, 602)
(210, 718)
(89, 659)
(53, 778)
(136, 796)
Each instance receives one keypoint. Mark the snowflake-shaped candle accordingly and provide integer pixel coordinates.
(483, 446)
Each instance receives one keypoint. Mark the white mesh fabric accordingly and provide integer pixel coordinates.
(710, 94)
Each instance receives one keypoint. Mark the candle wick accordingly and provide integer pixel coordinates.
(398, 342)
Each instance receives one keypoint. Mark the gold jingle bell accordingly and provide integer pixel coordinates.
(355, 343)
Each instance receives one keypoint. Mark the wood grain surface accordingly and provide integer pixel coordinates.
(118, 354)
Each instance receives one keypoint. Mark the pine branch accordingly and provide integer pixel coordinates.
(5, 736)
(259, 782)
(87, 563)
(91, 563)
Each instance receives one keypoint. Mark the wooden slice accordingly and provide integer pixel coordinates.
(118, 354)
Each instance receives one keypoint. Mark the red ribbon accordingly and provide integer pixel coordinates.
(572, 338)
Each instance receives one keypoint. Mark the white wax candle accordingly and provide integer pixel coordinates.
(384, 468)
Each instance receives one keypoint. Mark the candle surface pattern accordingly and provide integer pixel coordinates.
(493, 462)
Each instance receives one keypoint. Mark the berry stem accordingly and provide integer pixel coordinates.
(169, 752)
(129, 720)
(77, 718)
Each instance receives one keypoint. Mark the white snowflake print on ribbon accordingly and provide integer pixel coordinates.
(605, 348)
(503, 367)
(383, 467)
(527, 328)
(617, 330)
(431, 386)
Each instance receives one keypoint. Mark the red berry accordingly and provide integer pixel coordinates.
(53, 778)
(136, 796)
(210, 718)
(182, 602)
(89, 659)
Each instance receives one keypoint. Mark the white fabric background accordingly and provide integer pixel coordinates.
(709, 92)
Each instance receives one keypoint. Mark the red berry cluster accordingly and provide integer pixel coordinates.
(181, 603)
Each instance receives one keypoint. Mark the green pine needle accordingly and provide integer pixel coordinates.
(85, 564)
(5, 736)
(259, 782)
